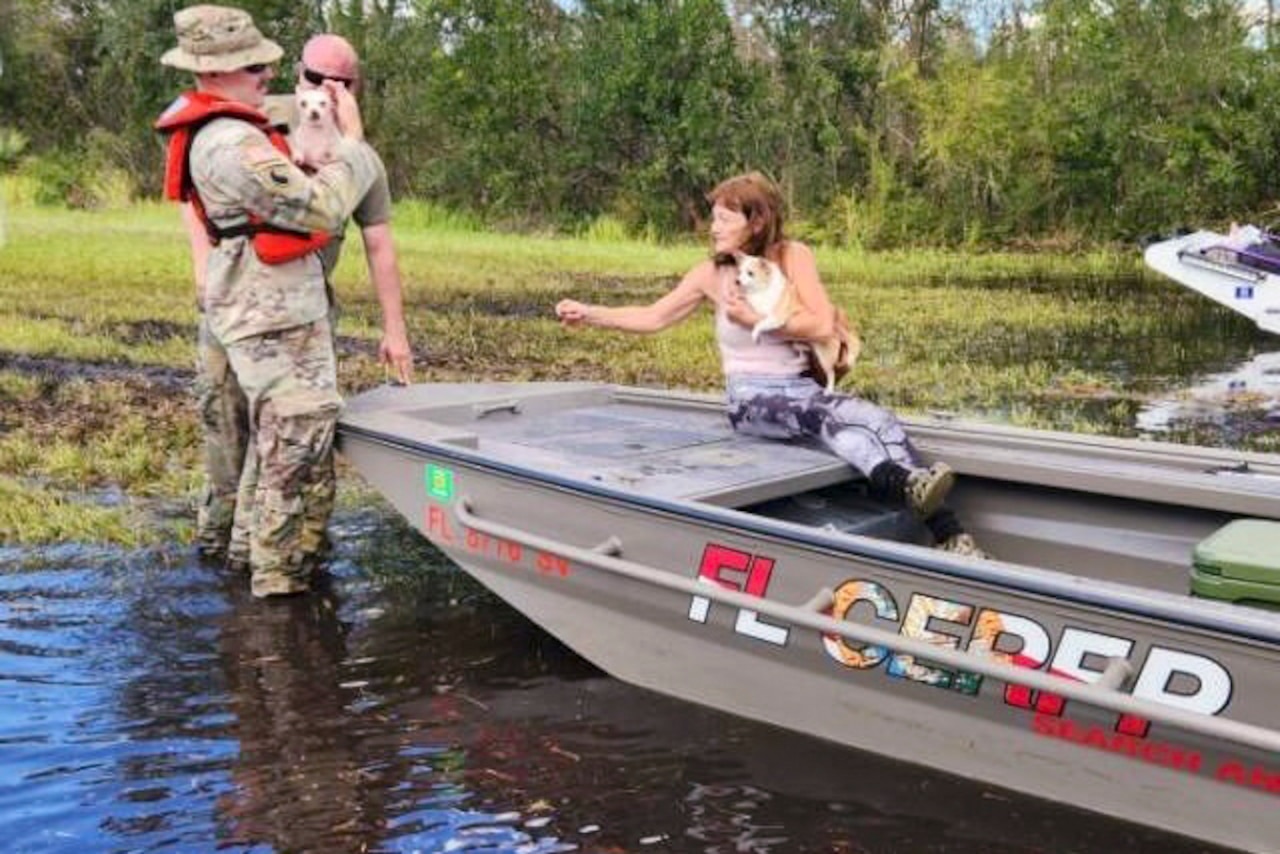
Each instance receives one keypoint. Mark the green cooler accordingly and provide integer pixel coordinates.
(1240, 562)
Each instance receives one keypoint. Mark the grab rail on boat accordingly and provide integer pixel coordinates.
(1105, 694)
(1227, 268)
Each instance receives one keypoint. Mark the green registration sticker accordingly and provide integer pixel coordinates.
(439, 482)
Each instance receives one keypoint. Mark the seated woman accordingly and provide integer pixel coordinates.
(769, 392)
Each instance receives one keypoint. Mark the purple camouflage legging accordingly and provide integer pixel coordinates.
(859, 432)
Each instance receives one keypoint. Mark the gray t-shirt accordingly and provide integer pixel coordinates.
(374, 208)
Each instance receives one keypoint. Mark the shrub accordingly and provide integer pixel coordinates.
(12, 144)
(77, 179)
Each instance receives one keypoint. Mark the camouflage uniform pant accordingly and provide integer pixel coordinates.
(224, 516)
(289, 380)
(859, 432)
(224, 421)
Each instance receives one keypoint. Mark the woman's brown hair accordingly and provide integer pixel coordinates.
(757, 198)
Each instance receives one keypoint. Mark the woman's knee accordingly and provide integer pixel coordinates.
(767, 422)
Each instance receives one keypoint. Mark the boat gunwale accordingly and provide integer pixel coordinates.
(1040, 581)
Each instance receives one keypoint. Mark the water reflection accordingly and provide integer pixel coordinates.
(1238, 401)
(93, 747)
(298, 779)
(146, 704)
(1166, 358)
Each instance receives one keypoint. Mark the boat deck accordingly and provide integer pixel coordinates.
(648, 447)
(680, 446)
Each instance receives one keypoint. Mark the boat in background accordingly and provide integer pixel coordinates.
(759, 578)
(1243, 277)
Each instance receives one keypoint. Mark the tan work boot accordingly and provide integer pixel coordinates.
(926, 489)
(961, 544)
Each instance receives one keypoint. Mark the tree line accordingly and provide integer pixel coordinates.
(886, 122)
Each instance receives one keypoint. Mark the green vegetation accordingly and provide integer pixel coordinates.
(911, 123)
(97, 322)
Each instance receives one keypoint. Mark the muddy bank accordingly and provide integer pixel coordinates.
(54, 370)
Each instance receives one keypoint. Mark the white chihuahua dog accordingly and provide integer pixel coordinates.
(314, 142)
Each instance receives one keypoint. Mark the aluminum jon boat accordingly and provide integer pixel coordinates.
(758, 578)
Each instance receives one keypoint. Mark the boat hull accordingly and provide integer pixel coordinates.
(742, 613)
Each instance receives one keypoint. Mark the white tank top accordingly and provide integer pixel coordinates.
(740, 356)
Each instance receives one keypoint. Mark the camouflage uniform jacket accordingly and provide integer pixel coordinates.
(237, 171)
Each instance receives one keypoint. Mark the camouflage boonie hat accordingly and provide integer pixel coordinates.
(218, 38)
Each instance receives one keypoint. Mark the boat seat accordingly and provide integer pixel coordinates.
(1240, 562)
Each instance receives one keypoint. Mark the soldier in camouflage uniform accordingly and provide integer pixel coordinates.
(325, 57)
(270, 315)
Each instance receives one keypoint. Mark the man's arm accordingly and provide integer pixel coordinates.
(384, 272)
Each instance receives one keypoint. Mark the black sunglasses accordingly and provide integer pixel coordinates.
(256, 68)
(315, 78)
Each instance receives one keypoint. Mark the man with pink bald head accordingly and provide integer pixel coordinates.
(329, 56)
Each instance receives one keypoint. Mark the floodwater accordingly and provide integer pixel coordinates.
(148, 704)
(1179, 366)
(1189, 370)
(1198, 371)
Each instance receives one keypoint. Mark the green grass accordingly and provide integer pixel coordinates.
(31, 514)
(100, 304)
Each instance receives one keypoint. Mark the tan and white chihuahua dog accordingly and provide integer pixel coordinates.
(314, 142)
(773, 296)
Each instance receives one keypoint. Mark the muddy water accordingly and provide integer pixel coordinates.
(1178, 366)
(148, 704)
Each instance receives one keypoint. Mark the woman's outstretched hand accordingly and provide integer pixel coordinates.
(571, 312)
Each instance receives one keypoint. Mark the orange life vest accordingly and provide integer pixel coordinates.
(273, 244)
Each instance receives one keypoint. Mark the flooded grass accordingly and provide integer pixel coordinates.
(97, 321)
